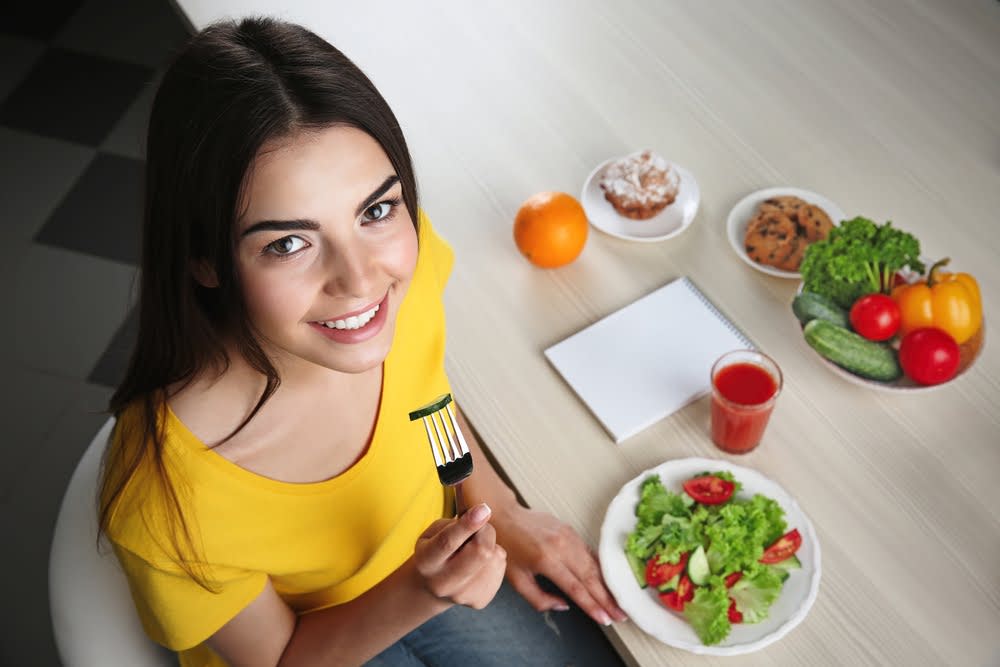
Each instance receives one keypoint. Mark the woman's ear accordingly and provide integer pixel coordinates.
(204, 273)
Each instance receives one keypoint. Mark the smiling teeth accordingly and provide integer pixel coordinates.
(352, 322)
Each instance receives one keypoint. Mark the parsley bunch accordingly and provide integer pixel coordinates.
(859, 257)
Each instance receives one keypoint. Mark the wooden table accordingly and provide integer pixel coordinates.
(892, 110)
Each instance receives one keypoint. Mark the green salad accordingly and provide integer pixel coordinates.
(715, 558)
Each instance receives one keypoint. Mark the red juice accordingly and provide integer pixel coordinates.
(742, 399)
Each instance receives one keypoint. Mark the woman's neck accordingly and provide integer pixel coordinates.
(217, 401)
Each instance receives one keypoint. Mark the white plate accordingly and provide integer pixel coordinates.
(642, 605)
(739, 217)
(666, 224)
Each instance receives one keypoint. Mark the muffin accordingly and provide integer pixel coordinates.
(641, 185)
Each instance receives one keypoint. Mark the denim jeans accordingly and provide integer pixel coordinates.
(507, 633)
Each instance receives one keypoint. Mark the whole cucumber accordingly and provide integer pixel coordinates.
(811, 306)
(851, 352)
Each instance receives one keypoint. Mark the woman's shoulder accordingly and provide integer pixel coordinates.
(212, 403)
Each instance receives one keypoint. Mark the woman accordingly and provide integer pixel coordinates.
(264, 490)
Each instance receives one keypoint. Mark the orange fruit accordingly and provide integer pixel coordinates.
(550, 229)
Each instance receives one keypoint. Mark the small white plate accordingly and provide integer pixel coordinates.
(739, 217)
(646, 611)
(666, 224)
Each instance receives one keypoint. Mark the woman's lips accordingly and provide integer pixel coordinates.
(359, 311)
(357, 326)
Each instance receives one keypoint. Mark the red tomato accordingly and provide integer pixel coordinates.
(733, 578)
(658, 574)
(735, 615)
(783, 547)
(929, 355)
(875, 316)
(709, 489)
(677, 599)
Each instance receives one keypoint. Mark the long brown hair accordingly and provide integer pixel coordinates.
(234, 87)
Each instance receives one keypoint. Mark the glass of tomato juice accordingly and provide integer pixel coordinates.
(745, 385)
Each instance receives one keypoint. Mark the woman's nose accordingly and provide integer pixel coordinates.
(349, 272)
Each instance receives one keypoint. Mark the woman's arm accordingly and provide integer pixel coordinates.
(538, 543)
(455, 561)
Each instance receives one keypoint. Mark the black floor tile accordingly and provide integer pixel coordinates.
(74, 96)
(38, 20)
(17, 56)
(35, 174)
(110, 369)
(102, 214)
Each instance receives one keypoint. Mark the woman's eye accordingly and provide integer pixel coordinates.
(378, 211)
(286, 245)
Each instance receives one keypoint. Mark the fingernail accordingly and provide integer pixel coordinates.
(561, 607)
(603, 618)
(480, 513)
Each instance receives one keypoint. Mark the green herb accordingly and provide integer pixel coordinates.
(858, 257)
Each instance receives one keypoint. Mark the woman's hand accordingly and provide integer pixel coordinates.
(538, 543)
(460, 560)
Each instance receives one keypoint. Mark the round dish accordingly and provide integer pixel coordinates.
(968, 353)
(645, 610)
(739, 216)
(666, 224)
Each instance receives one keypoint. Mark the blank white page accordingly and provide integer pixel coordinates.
(647, 360)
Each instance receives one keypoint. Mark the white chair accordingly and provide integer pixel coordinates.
(93, 618)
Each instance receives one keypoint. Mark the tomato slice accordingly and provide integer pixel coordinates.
(676, 599)
(735, 615)
(658, 574)
(733, 578)
(783, 547)
(670, 600)
(709, 489)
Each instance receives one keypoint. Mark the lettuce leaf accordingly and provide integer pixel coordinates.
(743, 529)
(755, 594)
(708, 613)
(656, 501)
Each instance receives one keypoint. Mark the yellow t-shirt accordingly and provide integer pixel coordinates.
(321, 544)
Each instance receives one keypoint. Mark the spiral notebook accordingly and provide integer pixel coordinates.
(649, 359)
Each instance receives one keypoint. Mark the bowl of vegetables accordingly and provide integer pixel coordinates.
(880, 316)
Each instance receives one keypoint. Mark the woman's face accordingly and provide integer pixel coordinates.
(325, 250)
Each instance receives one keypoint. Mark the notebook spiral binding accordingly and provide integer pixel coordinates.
(715, 311)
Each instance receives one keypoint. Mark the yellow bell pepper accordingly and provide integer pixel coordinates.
(948, 301)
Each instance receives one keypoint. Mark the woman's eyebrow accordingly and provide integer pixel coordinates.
(280, 226)
(312, 225)
(378, 192)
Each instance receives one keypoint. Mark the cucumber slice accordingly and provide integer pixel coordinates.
(638, 568)
(698, 569)
(790, 563)
(670, 586)
(784, 568)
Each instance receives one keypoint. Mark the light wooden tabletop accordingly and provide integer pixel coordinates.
(891, 110)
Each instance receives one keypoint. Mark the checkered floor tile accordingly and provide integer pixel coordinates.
(76, 83)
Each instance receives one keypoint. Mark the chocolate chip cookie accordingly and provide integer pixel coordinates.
(769, 237)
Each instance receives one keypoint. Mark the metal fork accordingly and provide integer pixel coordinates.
(451, 453)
